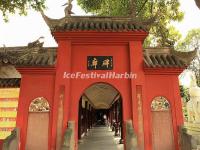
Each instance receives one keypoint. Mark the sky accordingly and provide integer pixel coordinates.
(21, 30)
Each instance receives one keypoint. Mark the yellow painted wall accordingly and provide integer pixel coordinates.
(8, 110)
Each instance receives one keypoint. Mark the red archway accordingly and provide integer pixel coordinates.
(54, 73)
(100, 104)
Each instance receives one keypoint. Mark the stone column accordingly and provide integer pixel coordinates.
(121, 141)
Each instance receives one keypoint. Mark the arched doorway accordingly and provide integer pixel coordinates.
(100, 110)
(162, 129)
(38, 125)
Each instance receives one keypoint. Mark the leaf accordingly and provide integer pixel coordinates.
(20, 6)
(164, 10)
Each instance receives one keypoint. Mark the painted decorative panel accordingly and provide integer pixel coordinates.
(39, 104)
(162, 129)
(160, 104)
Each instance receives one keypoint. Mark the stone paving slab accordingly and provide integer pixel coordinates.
(100, 138)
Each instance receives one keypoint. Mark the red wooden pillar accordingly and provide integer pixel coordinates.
(121, 141)
(89, 115)
(22, 114)
(86, 118)
(63, 65)
(178, 109)
(112, 117)
(92, 115)
(80, 119)
(117, 118)
(136, 66)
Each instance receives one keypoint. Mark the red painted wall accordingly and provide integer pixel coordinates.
(73, 49)
(1, 144)
(33, 86)
(120, 61)
(166, 86)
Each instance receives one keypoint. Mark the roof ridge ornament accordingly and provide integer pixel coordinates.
(68, 22)
(5, 55)
(36, 43)
(55, 22)
(62, 21)
(68, 8)
(13, 57)
(186, 57)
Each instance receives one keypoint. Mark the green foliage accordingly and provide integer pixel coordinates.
(192, 42)
(105, 7)
(156, 14)
(19, 6)
(162, 36)
(185, 98)
(184, 93)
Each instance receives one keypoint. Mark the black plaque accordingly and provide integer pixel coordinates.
(100, 62)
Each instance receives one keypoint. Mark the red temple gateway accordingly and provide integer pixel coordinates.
(56, 108)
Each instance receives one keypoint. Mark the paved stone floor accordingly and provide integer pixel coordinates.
(100, 138)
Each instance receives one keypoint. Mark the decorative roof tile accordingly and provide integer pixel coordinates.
(9, 82)
(46, 57)
(167, 58)
(94, 23)
(25, 56)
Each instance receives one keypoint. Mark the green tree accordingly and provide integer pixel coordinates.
(156, 15)
(184, 92)
(19, 6)
(185, 98)
(192, 42)
(197, 3)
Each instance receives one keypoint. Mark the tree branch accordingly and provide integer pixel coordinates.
(151, 20)
(142, 7)
(198, 3)
(151, 6)
(133, 8)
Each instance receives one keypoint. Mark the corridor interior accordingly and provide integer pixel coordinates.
(100, 118)
(100, 138)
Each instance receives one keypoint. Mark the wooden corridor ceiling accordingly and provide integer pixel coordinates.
(101, 95)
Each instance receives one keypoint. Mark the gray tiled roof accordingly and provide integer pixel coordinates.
(24, 56)
(46, 57)
(12, 82)
(94, 23)
(97, 25)
(167, 58)
(162, 61)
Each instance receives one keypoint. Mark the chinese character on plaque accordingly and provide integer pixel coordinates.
(100, 62)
